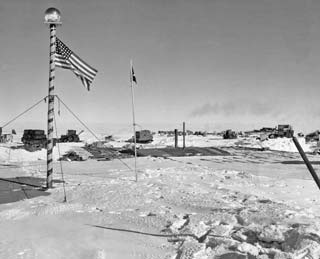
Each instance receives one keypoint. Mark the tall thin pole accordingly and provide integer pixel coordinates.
(175, 138)
(51, 104)
(134, 122)
(184, 134)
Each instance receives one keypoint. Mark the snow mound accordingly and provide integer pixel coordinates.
(287, 144)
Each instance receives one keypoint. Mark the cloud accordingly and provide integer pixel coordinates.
(234, 108)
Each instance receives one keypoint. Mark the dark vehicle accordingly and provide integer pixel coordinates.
(34, 140)
(200, 133)
(282, 131)
(144, 136)
(229, 134)
(313, 136)
(71, 136)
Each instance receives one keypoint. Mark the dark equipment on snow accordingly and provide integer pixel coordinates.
(34, 140)
(313, 136)
(144, 136)
(282, 131)
(229, 134)
(71, 136)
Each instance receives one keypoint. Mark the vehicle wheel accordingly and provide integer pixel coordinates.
(70, 139)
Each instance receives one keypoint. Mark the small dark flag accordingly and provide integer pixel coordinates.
(66, 59)
(133, 76)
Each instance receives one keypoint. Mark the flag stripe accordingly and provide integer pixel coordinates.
(86, 66)
(84, 81)
(81, 68)
(80, 65)
(61, 62)
(79, 73)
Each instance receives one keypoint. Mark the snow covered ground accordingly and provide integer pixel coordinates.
(250, 204)
(7, 153)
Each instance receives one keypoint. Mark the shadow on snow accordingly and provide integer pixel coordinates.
(20, 188)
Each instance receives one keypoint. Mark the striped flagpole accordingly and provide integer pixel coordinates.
(51, 104)
(52, 18)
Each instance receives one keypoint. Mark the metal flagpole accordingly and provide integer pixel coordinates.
(134, 123)
(52, 17)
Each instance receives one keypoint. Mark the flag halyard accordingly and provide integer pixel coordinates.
(67, 59)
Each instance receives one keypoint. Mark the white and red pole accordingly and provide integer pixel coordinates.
(52, 18)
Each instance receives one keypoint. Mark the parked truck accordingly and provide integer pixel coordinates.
(71, 136)
(144, 136)
(313, 136)
(283, 130)
(229, 134)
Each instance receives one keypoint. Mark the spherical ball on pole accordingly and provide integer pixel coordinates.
(52, 16)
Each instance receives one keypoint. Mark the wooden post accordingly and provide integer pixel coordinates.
(184, 135)
(307, 162)
(175, 138)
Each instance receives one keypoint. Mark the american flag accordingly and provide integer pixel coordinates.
(65, 58)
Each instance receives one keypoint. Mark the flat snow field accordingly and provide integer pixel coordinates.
(251, 204)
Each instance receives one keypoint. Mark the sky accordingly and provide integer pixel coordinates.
(215, 64)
